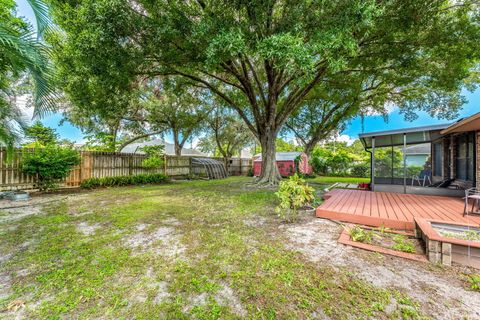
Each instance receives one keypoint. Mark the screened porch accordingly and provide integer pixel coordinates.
(415, 160)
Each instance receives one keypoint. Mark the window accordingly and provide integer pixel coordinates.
(437, 159)
(465, 149)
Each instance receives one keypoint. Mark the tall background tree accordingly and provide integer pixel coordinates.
(264, 58)
(178, 109)
(226, 135)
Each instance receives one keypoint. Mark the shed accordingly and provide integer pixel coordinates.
(286, 163)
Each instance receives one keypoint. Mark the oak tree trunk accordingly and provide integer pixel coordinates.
(176, 144)
(270, 174)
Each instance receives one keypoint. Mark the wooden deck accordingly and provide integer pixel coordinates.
(392, 210)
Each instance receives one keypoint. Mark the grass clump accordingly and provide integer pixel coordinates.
(402, 243)
(474, 281)
(359, 234)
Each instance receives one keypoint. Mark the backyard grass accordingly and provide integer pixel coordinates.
(202, 249)
(331, 180)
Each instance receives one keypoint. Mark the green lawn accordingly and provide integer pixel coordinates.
(203, 249)
(331, 180)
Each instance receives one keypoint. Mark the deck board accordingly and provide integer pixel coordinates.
(392, 210)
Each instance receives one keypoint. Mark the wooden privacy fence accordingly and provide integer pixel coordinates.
(107, 164)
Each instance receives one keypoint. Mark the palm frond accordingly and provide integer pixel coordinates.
(42, 16)
(24, 52)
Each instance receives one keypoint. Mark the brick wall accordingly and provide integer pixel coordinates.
(446, 161)
(453, 156)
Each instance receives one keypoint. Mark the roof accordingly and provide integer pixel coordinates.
(420, 149)
(169, 148)
(471, 123)
(415, 135)
(280, 156)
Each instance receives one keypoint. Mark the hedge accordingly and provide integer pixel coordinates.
(124, 180)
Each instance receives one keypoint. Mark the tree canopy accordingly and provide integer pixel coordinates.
(263, 58)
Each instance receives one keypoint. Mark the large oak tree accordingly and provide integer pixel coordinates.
(264, 57)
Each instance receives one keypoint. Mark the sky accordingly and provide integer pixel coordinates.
(371, 123)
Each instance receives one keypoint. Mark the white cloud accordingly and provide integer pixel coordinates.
(389, 108)
(21, 102)
(345, 138)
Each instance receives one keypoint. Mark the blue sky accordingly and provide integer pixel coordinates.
(372, 123)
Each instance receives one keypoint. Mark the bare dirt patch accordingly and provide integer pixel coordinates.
(18, 213)
(227, 297)
(164, 240)
(87, 229)
(255, 221)
(439, 290)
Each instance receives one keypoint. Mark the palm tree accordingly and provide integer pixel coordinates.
(22, 51)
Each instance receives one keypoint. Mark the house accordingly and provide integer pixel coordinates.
(417, 155)
(169, 148)
(287, 163)
(450, 166)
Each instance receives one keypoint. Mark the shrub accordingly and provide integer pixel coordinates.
(152, 162)
(293, 193)
(361, 170)
(50, 165)
(155, 156)
(124, 180)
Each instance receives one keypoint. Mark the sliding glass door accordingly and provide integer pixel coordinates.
(465, 156)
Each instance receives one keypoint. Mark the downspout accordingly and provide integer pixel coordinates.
(372, 169)
(372, 163)
(405, 163)
(475, 159)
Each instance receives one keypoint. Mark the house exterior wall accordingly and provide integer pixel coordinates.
(477, 159)
(446, 161)
(453, 157)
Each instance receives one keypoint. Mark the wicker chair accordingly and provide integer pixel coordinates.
(473, 194)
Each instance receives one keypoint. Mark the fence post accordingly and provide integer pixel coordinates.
(165, 164)
(86, 166)
(130, 164)
(190, 166)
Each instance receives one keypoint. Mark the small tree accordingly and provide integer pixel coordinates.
(50, 164)
(293, 193)
(40, 135)
(155, 156)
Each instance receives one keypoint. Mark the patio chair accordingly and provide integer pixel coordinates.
(422, 178)
(472, 194)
